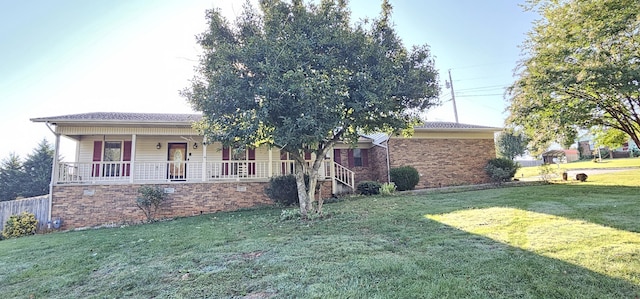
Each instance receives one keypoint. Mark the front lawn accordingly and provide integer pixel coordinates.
(579, 240)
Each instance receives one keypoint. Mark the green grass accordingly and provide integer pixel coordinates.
(573, 240)
(606, 163)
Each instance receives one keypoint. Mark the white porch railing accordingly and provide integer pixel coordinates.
(145, 172)
(344, 175)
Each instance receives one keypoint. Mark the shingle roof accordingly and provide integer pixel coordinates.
(187, 119)
(122, 117)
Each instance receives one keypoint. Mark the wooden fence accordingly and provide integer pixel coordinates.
(38, 205)
(529, 163)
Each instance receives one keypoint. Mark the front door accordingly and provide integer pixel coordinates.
(177, 161)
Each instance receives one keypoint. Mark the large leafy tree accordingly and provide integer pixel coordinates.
(300, 77)
(37, 169)
(581, 69)
(12, 177)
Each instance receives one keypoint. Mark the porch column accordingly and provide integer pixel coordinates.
(56, 160)
(270, 165)
(133, 158)
(332, 172)
(204, 158)
(54, 174)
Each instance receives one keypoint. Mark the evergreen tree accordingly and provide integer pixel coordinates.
(37, 168)
(11, 177)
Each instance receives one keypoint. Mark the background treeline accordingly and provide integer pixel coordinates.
(31, 177)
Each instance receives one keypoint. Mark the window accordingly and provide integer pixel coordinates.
(112, 153)
(358, 157)
(112, 158)
(239, 154)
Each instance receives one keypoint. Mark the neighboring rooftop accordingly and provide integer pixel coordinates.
(453, 126)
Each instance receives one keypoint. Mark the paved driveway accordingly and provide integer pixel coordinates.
(571, 174)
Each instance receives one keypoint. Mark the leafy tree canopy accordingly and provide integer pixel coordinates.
(609, 137)
(511, 144)
(301, 77)
(581, 69)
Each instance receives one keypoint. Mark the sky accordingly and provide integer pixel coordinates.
(75, 56)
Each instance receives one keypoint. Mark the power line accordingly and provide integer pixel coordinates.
(479, 65)
(479, 95)
(484, 87)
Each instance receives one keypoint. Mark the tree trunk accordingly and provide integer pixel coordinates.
(311, 193)
(302, 189)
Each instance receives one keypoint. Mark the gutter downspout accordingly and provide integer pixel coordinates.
(54, 167)
(386, 147)
(388, 162)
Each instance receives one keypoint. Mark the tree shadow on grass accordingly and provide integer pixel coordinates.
(612, 206)
(479, 266)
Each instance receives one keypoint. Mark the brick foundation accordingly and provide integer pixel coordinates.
(94, 205)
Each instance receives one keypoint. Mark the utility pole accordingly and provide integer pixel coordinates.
(453, 96)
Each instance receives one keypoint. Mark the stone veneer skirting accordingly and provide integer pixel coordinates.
(93, 205)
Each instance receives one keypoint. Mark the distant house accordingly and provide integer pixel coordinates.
(560, 156)
(116, 153)
(628, 149)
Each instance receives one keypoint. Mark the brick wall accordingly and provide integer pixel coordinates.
(93, 205)
(375, 171)
(443, 162)
(378, 159)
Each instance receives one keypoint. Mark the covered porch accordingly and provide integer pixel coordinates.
(147, 148)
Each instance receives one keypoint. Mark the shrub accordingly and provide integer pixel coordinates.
(582, 177)
(387, 189)
(293, 214)
(501, 169)
(20, 225)
(368, 188)
(283, 190)
(546, 172)
(150, 199)
(405, 177)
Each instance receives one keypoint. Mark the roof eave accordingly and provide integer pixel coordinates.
(108, 122)
(492, 130)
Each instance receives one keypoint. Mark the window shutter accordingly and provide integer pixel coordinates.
(307, 155)
(97, 157)
(225, 153)
(283, 155)
(350, 157)
(252, 165)
(365, 157)
(225, 157)
(126, 157)
(336, 156)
